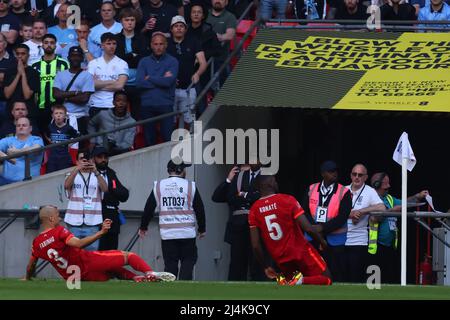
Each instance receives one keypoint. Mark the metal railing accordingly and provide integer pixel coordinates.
(407, 25)
(418, 216)
(27, 154)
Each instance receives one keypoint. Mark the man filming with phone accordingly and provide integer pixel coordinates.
(84, 187)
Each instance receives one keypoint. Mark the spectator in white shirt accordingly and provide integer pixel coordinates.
(364, 200)
(110, 75)
(35, 44)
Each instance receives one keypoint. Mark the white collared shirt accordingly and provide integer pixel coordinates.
(366, 196)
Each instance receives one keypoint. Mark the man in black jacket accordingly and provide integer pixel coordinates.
(241, 195)
(110, 204)
(139, 48)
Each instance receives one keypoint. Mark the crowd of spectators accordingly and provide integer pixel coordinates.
(116, 63)
(154, 53)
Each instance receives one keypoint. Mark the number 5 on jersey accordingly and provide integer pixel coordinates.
(273, 227)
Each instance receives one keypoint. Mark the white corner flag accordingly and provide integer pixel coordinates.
(404, 150)
(404, 156)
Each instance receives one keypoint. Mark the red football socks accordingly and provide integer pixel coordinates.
(124, 274)
(137, 263)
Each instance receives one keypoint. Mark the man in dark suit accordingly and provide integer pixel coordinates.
(241, 196)
(110, 204)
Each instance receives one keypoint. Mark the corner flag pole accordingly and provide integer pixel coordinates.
(404, 222)
(404, 156)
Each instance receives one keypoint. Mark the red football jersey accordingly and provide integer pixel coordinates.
(275, 217)
(51, 245)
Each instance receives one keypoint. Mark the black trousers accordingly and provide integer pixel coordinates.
(356, 264)
(179, 250)
(387, 258)
(335, 258)
(109, 241)
(242, 260)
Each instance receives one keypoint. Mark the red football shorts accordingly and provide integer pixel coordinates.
(100, 265)
(309, 263)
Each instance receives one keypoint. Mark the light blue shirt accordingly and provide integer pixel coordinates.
(84, 83)
(63, 36)
(98, 30)
(427, 13)
(16, 172)
(64, 52)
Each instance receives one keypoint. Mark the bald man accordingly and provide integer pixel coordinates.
(62, 249)
(22, 141)
(364, 200)
(156, 78)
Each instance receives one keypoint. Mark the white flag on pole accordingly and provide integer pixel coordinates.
(404, 150)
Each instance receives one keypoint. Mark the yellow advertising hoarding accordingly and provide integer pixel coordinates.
(410, 73)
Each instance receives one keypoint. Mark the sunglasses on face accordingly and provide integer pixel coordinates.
(359, 175)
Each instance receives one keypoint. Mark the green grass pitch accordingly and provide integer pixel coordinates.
(186, 290)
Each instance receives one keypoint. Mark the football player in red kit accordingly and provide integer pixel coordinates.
(279, 220)
(62, 249)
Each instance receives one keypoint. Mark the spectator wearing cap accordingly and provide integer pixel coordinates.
(108, 25)
(49, 65)
(115, 194)
(119, 141)
(110, 75)
(73, 88)
(192, 64)
(84, 187)
(327, 205)
(180, 208)
(131, 47)
(90, 50)
(156, 77)
(64, 34)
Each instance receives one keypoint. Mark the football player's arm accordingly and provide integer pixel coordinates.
(81, 243)
(344, 211)
(31, 267)
(256, 246)
(307, 227)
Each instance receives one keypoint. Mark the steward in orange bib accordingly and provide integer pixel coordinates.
(327, 205)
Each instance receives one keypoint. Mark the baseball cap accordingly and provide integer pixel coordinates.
(76, 49)
(177, 163)
(328, 166)
(98, 151)
(177, 19)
